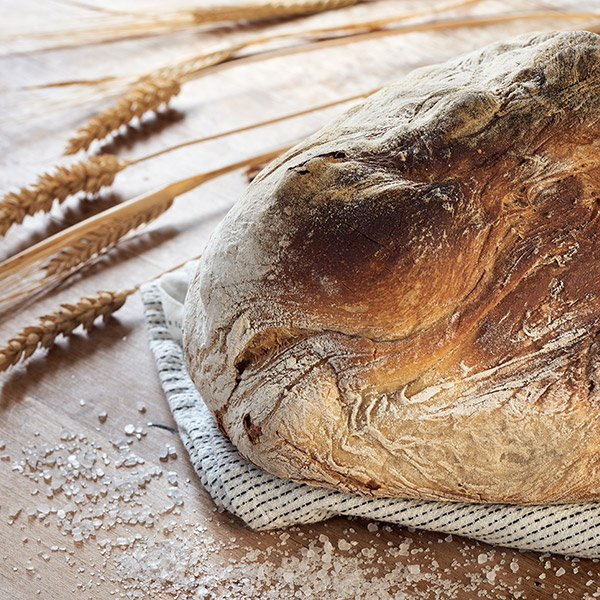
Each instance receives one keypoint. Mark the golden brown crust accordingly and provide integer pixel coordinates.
(407, 304)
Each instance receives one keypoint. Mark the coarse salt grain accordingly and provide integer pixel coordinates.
(189, 563)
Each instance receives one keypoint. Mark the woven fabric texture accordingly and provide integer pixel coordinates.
(263, 501)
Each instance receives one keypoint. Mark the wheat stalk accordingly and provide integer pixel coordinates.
(144, 96)
(352, 32)
(89, 176)
(251, 126)
(62, 322)
(224, 52)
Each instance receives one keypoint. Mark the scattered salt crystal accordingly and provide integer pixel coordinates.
(102, 416)
(2, 445)
(180, 562)
(141, 407)
(542, 576)
(129, 429)
(82, 402)
(14, 512)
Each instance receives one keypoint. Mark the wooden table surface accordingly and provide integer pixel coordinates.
(180, 546)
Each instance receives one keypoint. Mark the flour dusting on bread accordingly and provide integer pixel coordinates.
(407, 303)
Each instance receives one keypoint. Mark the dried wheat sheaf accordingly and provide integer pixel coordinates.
(147, 95)
(62, 322)
(254, 11)
(86, 176)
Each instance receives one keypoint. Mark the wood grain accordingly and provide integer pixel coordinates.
(112, 369)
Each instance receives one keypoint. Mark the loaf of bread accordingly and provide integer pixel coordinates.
(408, 302)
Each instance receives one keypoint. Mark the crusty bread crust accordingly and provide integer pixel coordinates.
(407, 303)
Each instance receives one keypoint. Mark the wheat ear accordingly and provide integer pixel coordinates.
(253, 11)
(144, 96)
(62, 322)
(86, 176)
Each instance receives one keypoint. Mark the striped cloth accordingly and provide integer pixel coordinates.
(267, 502)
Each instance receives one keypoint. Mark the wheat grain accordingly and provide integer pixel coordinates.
(62, 322)
(144, 96)
(86, 176)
